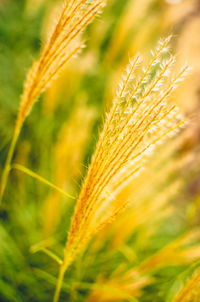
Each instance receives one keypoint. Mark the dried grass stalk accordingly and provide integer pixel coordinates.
(62, 45)
(139, 119)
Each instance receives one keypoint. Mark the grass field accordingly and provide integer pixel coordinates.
(99, 165)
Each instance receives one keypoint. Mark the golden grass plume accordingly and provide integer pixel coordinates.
(139, 119)
(61, 46)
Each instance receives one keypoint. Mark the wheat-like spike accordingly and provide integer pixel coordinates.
(131, 68)
(134, 63)
(131, 131)
(140, 126)
(164, 95)
(74, 18)
(151, 179)
(62, 45)
(115, 111)
(117, 161)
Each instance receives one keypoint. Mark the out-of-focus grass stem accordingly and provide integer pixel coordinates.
(40, 178)
(7, 167)
(59, 283)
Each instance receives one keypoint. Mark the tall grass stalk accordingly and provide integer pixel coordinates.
(138, 121)
(41, 179)
(7, 167)
(59, 283)
(63, 44)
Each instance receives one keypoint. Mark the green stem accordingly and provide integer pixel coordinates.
(59, 283)
(7, 168)
(52, 255)
(47, 252)
(40, 178)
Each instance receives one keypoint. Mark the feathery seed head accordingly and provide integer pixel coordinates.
(139, 119)
(62, 45)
